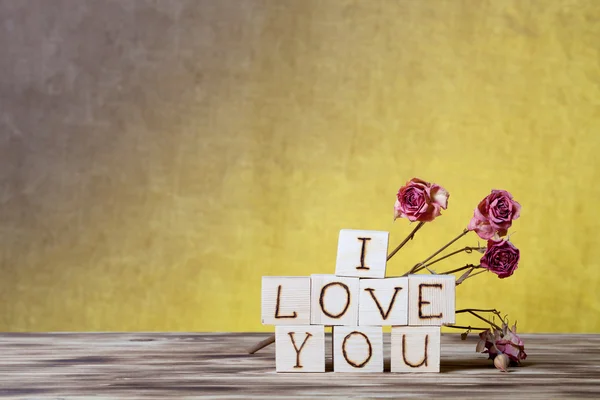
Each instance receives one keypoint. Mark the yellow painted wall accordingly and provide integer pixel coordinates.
(158, 158)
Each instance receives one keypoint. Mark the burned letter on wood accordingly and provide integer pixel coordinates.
(285, 300)
(431, 300)
(300, 348)
(357, 349)
(362, 254)
(383, 302)
(415, 349)
(334, 300)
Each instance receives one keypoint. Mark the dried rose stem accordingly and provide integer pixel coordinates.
(461, 269)
(470, 276)
(409, 237)
(481, 318)
(420, 266)
(464, 276)
(463, 310)
(490, 310)
(467, 249)
(262, 344)
(473, 328)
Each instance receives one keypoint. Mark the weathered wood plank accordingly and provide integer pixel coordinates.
(168, 365)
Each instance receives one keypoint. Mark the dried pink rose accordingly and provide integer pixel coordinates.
(497, 342)
(512, 346)
(420, 201)
(501, 258)
(494, 214)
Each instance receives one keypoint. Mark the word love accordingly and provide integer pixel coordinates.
(357, 302)
(331, 300)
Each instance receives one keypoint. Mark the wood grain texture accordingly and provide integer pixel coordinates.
(300, 348)
(333, 300)
(361, 253)
(285, 300)
(383, 302)
(415, 349)
(431, 300)
(357, 349)
(169, 365)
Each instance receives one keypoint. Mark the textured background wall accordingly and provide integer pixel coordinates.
(158, 157)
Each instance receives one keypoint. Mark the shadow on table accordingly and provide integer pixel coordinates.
(445, 367)
(448, 366)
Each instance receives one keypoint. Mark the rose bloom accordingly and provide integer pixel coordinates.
(494, 214)
(501, 258)
(420, 201)
(509, 343)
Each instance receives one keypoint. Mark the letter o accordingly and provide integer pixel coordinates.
(353, 363)
(322, 298)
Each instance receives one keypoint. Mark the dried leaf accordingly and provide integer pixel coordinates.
(497, 334)
(464, 276)
(463, 336)
(480, 346)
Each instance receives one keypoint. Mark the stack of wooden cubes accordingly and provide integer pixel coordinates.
(357, 302)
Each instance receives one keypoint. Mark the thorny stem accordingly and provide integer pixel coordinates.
(466, 249)
(420, 265)
(409, 237)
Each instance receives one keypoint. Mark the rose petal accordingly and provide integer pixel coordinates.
(516, 210)
(418, 181)
(410, 217)
(397, 211)
(483, 230)
(440, 196)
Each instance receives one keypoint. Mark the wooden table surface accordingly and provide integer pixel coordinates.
(177, 365)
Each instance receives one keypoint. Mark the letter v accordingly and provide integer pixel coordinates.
(384, 314)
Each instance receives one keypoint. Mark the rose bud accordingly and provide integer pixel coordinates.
(501, 362)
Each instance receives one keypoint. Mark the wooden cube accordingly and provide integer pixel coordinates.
(357, 349)
(334, 300)
(383, 302)
(415, 349)
(362, 254)
(431, 300)
(300, 348)
(285, 300)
